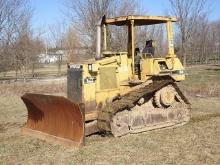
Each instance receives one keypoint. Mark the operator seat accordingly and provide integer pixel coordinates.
(137, 59)
(149, 48)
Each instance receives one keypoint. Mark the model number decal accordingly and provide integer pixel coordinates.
(75, 66)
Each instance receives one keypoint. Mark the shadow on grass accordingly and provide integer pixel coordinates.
(204, 117)
(216, 65)
(213, 69)
(2, 129)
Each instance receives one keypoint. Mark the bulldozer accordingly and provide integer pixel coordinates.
(116, 92)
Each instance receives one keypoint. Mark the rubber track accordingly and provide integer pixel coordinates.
(129, 100)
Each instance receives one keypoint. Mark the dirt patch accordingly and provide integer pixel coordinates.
(204, 117)
(2, 129)
(44, 87)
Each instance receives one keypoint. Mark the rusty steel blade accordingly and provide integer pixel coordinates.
(54, 118)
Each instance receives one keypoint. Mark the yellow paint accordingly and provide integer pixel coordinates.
(170, 39)
(123, 62)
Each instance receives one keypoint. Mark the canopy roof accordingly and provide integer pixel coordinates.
(139, 20)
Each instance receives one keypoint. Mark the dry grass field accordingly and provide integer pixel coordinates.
(41, 72)
(198, 142)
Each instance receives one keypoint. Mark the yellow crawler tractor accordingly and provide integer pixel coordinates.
(117, 92)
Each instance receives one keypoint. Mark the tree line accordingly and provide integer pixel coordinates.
(18, 47)
(197, 39)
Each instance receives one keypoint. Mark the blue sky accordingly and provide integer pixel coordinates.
(49, 12)
(46, 12)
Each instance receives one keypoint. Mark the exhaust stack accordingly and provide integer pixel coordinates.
(98, 40)
(99, 37)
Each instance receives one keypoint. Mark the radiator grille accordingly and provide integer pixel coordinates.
(108, 79)
(74, 84)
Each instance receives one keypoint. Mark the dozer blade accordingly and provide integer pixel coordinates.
(54, 119)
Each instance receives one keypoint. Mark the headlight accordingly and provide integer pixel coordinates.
(178, 72)
(181, 71)
(90, 67)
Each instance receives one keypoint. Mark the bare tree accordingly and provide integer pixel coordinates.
(198, 41)
(14, 19)
(188, 12)
(26, 48)
(9, 12)
(214, 40)
(56, 36)
(118, 35)
(86, 13)
(73, 48)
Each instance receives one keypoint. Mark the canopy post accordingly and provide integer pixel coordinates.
(131, 40)
(170, 39)
(104, 37)
(132, 45)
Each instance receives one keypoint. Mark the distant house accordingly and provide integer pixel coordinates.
(47, 58)
(75, 54)
(52, 57)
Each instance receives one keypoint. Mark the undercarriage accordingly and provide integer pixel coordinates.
(158, 105)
